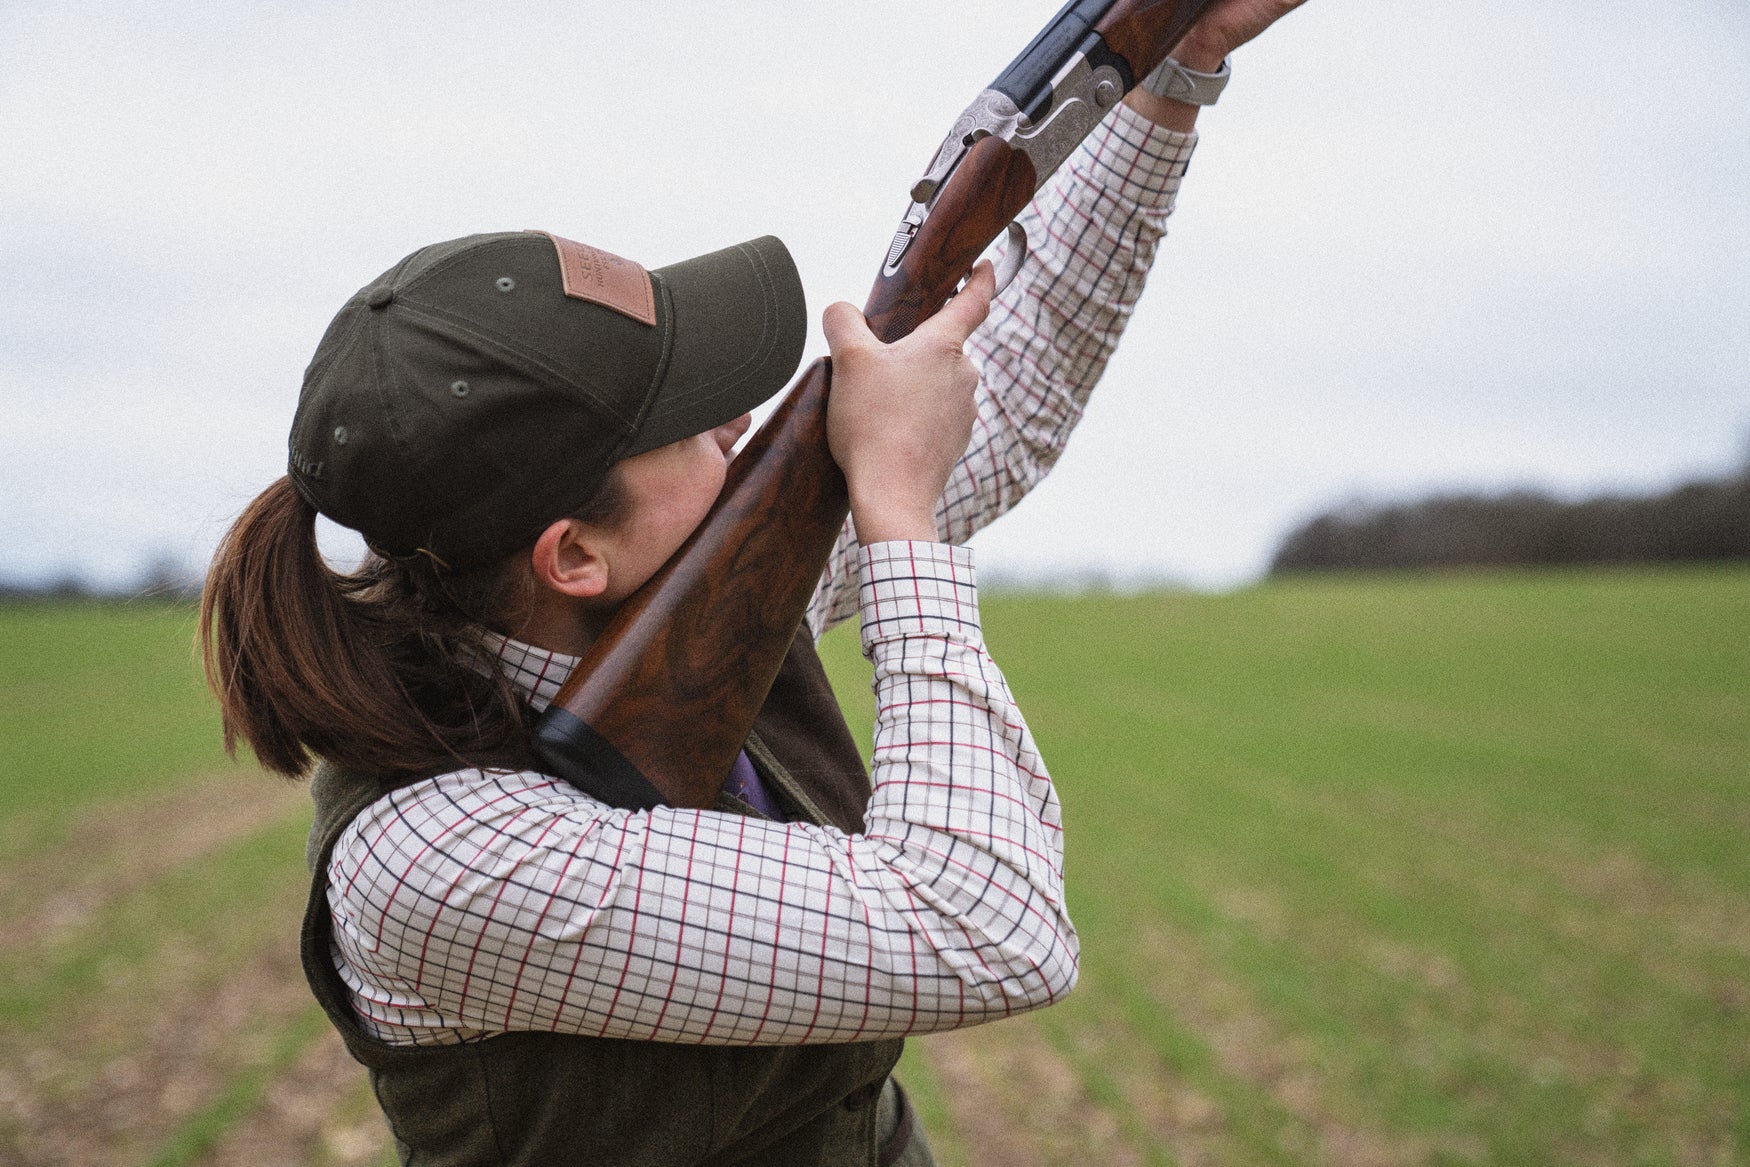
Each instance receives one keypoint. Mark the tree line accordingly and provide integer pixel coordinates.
(162, 576)
(1702, 520)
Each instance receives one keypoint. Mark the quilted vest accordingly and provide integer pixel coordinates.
(559, 1099)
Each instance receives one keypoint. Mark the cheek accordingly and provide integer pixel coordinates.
(690, 496)
(708, 483)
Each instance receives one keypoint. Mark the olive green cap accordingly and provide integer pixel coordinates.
(483, 387)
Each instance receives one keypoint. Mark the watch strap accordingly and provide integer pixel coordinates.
(1177, 83)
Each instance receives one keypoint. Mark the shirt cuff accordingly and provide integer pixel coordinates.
(911, 589)
(1138, 159)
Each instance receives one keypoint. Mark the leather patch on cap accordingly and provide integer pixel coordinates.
(601, 277)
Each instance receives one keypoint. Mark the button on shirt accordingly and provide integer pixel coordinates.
(483, 901)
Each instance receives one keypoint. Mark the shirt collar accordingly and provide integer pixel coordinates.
(537, 673)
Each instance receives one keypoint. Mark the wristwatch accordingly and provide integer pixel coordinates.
(1177, 83)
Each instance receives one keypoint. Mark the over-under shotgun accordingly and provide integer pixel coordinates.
(657, 710)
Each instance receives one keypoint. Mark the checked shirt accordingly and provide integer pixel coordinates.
(480, 902)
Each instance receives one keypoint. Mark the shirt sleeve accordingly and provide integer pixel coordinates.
(1092, 233)
(483, 902)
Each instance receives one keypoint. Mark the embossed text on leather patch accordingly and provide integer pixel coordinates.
(601, 277)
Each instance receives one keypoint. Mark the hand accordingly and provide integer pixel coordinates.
(1225, 27)
(900, 415)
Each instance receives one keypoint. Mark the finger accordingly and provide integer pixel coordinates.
(844, 326)
(967, 310)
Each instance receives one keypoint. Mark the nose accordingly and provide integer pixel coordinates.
(730, 432)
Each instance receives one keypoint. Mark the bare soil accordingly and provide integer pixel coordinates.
(1016, 1102)
(319, 1113)
(113, 1083)
(121, 845)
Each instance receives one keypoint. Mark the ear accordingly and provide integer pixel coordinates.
(569, 558)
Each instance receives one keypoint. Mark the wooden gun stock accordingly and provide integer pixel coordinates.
(990, 187)
(663, 701)
(661, 704)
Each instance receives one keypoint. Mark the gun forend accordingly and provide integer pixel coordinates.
(1040, 108)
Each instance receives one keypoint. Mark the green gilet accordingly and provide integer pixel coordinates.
(554, 1100)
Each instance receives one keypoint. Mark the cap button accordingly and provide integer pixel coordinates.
(379, 297)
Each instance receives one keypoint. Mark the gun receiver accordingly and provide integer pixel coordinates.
(657, 710)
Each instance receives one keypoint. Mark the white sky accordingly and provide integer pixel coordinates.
(1423, 246)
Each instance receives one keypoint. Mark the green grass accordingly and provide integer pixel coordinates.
(103, 719)
(1471, 849)
(97, 702)
(1452, 865)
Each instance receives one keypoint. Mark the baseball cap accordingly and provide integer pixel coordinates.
(483, 387)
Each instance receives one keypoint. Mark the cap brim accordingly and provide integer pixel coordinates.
(739, 321)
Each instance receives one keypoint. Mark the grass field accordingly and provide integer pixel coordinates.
(1367, 871)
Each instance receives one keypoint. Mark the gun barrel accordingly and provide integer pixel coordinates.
(1027, 79)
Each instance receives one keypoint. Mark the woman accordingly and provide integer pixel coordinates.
(524, 428)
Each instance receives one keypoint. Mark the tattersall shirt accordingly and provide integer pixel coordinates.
(481, 901)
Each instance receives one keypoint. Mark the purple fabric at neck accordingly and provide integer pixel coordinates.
(744, 782)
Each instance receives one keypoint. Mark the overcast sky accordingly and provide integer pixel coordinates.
(1423, 246)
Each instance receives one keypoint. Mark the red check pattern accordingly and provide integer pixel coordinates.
(480, 902)
(1092, 236)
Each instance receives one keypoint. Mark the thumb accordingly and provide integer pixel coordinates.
(844, 327)
(967, 310)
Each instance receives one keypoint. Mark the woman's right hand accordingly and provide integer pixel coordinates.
(900, 415)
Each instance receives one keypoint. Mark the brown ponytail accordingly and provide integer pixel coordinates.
(384, 670)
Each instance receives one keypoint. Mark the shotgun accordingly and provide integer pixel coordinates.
(657, 710)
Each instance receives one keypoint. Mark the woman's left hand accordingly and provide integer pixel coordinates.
(1225, 27)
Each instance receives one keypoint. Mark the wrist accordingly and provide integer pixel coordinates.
(1163, 112)
(887, 522)
(1172, 94)
(1174, 80)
